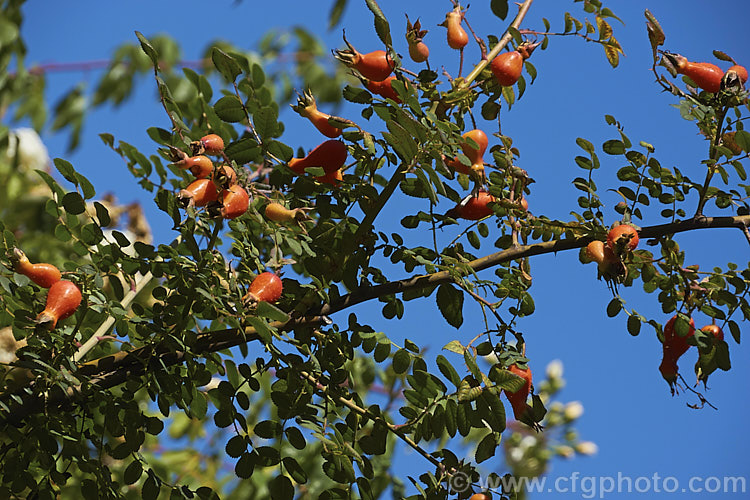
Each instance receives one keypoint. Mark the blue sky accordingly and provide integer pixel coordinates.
(639, 427)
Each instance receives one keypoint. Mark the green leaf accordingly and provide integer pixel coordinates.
(742, 138)
(267, 429)
(243, 151)
(499, 8)
(245, 466)
(382, 28)
(150, 489)
(614, 307)
(8, 31)
(486, 448)
(447, 370)
(229, 109)
(634, 325)
(91, 234)
(450, 301)
(614, 147)
(454, 346)
(102, 215)
(133, 472)
(295, 470)
(270, 311)
(335, 14)
(258, 76)
(86, 187)
(225, 64)
(73, 203)
(266, 123)
(401, 361)
(66, 170)
(295, 437)
(506, 380)
(365, 490)
(357, 95)
(148, 49)
(382, 351)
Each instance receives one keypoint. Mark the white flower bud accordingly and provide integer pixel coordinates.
(573, 411)
(587, 448)
(555, 369)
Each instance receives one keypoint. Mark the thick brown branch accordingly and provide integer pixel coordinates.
(115, 369)
(520, 252)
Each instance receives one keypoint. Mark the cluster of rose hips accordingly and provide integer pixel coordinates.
(63, 297)
(609, 256)
(215, 186)
(375, 71)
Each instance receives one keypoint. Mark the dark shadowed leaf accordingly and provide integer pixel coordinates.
(499, 8)
(450, 301)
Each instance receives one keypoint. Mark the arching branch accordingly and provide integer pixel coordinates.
(117, 368)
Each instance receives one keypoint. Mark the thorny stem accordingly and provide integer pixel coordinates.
(507, 37)
(520, 252)
(480, 42)
(570, 33)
